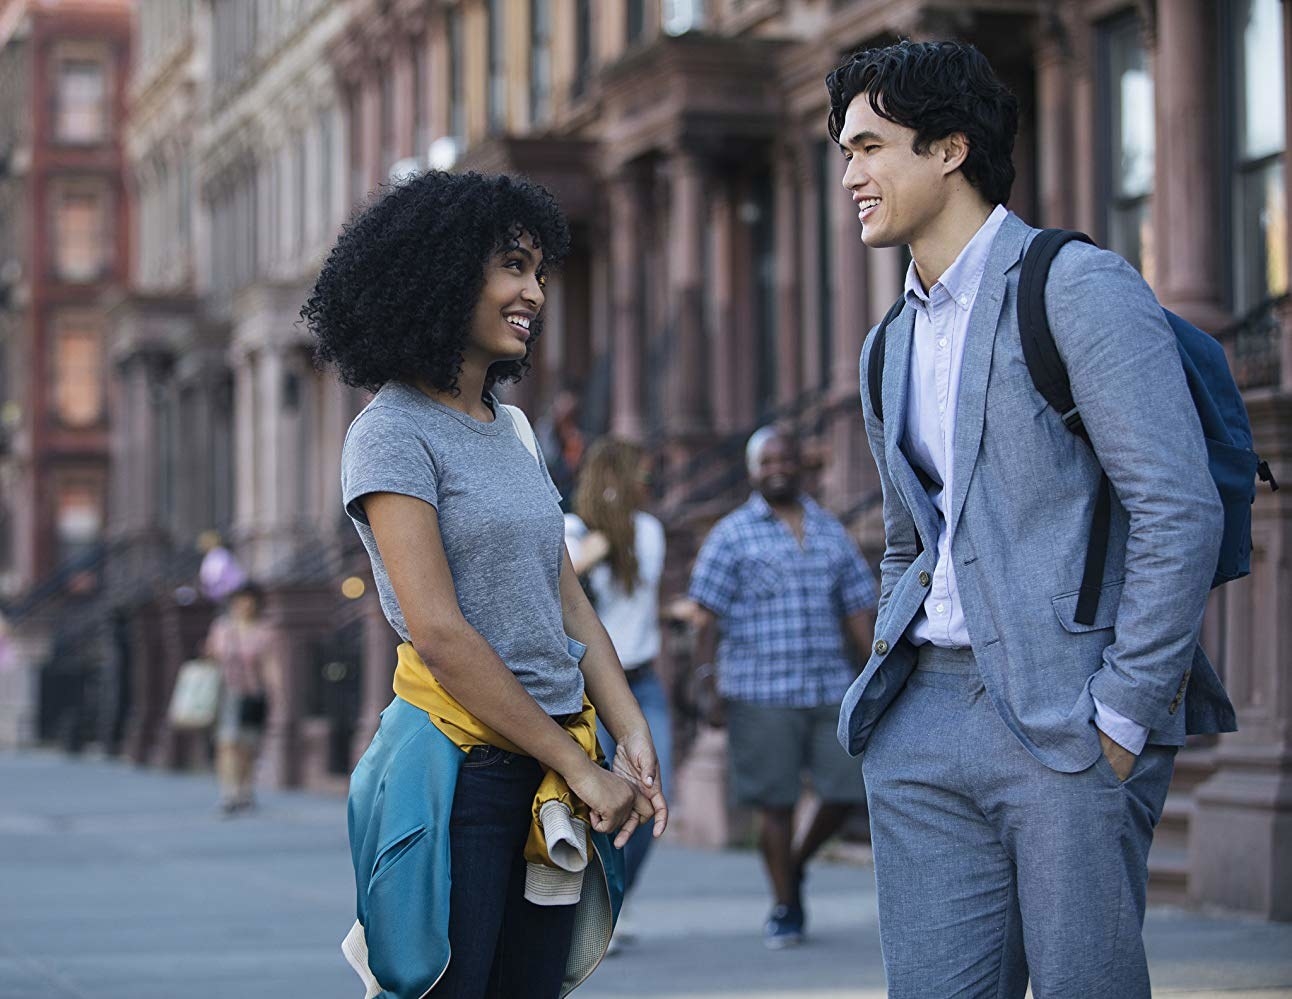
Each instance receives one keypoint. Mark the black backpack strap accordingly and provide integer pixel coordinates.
(1043, 361)
(1051, 379)
(875, 372)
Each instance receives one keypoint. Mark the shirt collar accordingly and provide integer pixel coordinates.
(962, 278)
(759, 507)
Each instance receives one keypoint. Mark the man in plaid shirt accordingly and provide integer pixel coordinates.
(781, 587)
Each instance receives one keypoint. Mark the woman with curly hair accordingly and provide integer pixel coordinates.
(432, 296)
(618, 548)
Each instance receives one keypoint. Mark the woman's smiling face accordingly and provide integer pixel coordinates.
(510, 301)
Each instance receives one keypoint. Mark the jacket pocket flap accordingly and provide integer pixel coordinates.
(388, 855)
(1110, 597)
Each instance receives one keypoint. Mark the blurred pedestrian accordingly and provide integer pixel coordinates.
(242, 643)
(470, 809)
(563, 443)
(219, 574)
(781, 590)
(618, 548)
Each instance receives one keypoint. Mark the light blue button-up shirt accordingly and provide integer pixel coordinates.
(937, 355)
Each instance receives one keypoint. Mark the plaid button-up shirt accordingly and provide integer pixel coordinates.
(780, 607)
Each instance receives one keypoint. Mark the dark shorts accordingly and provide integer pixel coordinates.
(772, 746)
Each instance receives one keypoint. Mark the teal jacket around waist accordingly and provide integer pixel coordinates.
(401, 799)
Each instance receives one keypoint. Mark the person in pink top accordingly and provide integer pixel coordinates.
(241, 643)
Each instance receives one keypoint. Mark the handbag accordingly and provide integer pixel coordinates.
(195, 700)
(252, 710)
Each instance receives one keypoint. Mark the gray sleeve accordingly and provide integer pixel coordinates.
(1130, 389)
(385, 452)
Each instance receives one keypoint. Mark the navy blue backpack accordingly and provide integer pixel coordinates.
(1234, 465)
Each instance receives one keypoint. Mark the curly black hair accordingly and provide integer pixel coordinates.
(395, 297)
(937, 89)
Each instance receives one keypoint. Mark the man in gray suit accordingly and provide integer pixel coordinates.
(1016, 761)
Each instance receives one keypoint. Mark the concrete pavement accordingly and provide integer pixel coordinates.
(118, 882)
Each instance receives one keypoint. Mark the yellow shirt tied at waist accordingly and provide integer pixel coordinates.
(556, 852)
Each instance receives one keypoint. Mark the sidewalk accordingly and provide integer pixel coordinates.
(119, 882)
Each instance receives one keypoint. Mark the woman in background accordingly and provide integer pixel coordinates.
(617, 548)
(241, 643)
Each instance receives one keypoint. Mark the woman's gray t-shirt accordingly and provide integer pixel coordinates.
(500, 523)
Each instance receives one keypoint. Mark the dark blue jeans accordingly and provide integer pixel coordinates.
(502, 945)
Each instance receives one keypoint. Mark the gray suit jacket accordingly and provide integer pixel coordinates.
(1024, 489)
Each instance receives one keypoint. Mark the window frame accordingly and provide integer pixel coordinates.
(104, 239)
(1234, 170)
(540, 54)
(495, 67)
(69, 55)
(1111, 203)
(88, 326)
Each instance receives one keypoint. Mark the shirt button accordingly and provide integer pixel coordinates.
(925, 579)
(964, 301)
(881, 648)
(942, 342)
(941, 608)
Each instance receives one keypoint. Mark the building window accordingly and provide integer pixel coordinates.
(79, 235)
(681, 16)
(540, 61)
(78, 373)
(636, 20)
(582, 47)
(457, 88)
(82, 101)
(1129, 140)
(497, 67)
(1259, 223)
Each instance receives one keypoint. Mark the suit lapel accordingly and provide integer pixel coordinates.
(976, 368)
(896, 383)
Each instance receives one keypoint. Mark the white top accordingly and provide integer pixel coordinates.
(631, 620)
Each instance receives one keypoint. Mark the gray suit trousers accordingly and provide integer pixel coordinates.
(991, 866)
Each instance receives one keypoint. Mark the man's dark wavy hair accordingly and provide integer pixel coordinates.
(395, 297)
(937, 89)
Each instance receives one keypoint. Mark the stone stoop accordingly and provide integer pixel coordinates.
(1168, 861)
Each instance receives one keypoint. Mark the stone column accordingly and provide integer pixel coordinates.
(627, 334)
(687, 407)
(244, 443)
(269, 467)
(866, 282)
(1240, 852)
(1189, 265)
(1285, 314)
(790, 331)
(733, 390)
(379, 655)
(1054, 127)
(369, 105)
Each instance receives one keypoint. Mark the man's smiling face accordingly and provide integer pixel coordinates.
(897, 190)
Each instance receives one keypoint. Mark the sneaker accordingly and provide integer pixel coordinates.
(784, 927)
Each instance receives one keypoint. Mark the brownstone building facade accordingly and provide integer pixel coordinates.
(717, 281)
(64, 240)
